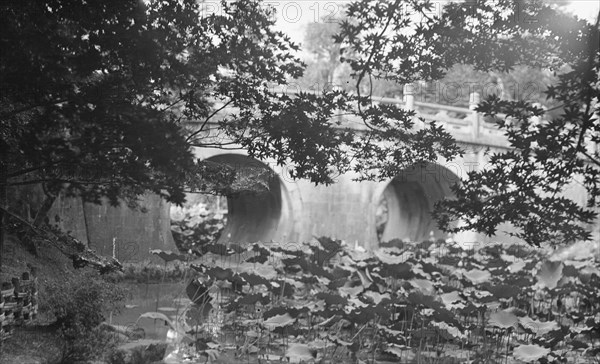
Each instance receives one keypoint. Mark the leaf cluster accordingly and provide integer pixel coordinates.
(525, 186)
(325, 301)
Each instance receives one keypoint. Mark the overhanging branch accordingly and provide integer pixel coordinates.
(206, 121)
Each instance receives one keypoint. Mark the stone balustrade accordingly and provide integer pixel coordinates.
(465, 124)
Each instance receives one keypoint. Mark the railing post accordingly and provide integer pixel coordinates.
(409, 101)
(409, 96)
(475, 117)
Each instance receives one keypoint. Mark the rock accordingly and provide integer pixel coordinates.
(143, 351)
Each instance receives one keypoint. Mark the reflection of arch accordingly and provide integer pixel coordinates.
(255, 215)
(405, 205)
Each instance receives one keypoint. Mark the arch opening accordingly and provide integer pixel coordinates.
(257, 208)
(405, 205)
(252, 215)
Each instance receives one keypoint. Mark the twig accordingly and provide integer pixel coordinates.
(206, 121)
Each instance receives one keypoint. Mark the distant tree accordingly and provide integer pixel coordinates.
(325, 70)
(409, 41)
(324, 67)
(318, 41)
(455, 88)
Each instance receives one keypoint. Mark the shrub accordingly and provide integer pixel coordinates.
(195, 226)
(79, 304)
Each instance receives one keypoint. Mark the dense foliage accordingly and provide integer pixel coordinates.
(535, 68)
(78, 305)
(430, 302)
(414, 41)
(94, 95)
(526, 186)
(108, 99)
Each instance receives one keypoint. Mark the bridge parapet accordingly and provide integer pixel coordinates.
(464, 124)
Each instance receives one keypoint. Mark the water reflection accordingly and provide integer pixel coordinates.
(167, 298)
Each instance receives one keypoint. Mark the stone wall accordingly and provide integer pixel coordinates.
(133, 232)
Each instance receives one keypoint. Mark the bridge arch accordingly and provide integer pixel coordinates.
(404, 204)
(255, 215)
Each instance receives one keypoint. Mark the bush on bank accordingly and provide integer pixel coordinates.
(78, 304)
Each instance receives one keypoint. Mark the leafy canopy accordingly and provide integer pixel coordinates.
(525, 186)
(109, 99)
(409, 41)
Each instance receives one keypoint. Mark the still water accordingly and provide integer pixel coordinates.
(170, 299)
(167, 298)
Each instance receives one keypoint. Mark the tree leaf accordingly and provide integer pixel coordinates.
(537, 327)
(503, 290)
(424, 286)
(503, 319)
(297, 353)
(279, 321)
(477, 276)
(528, 353)
(332, 299)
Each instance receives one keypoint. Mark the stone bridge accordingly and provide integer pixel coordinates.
(361, 213)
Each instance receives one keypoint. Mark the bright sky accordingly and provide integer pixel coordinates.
(586, 9)
(294, 15)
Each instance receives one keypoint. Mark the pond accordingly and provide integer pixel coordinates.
(167, 298)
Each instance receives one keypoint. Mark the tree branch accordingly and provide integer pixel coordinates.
(369, 59)
(591, 158)
(172, 104)
(216, 146)
(590, 62)
(30, 107)
(71, 247)
(32, 169)
(62, 180)
(206, 121)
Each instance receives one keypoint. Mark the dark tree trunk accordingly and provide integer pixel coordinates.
(42, 213)
(28, 240)
(87, 227)
(4, 205)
